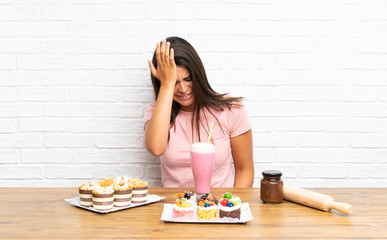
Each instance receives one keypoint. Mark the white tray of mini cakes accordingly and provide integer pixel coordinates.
(110, 195)
(207, 209)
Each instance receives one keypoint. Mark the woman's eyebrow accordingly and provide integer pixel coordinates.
(188, 77)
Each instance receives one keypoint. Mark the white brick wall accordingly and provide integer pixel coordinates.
(74, 84)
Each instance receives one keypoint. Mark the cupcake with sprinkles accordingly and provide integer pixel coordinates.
(122, 194)
(230, 206)
(85, 194)
(184, 206)
(103, 198)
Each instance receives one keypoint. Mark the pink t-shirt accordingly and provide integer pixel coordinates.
(175, 162)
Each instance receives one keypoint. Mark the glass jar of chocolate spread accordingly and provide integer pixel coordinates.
(271, 186)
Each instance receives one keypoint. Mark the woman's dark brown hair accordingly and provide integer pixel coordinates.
(205, 96)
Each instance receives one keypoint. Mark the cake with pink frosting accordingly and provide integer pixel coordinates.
(184, 206)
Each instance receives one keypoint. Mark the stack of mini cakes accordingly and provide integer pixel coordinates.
(140, 190)
(106, 193)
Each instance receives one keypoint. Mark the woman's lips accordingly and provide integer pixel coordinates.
(185, 97)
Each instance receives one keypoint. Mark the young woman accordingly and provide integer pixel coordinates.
(185, 107)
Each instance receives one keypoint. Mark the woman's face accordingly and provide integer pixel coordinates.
(183, 93)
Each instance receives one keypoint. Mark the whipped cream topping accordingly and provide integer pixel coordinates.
(200, 147)
(87, 186)
(122, 185)
(228, 209)
(103, 190)
(121, 179)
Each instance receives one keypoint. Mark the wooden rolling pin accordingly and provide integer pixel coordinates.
(314, 199)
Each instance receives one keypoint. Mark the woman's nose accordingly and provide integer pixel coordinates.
(182, 87)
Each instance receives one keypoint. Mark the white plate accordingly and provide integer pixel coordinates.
(246, 216)
(151, 199)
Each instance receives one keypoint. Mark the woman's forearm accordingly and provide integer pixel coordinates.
(157, 128)
(242, 152)
(244, 178)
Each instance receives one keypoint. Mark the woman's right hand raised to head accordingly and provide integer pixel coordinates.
(166, 66)
(157, 128)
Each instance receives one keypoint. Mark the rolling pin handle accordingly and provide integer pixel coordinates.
(344, 208)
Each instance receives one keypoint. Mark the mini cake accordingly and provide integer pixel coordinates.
(140, 192)
(184, 205)
(103, 198)
(122, 194)
(85, 194)
(230, 206)
(207, 210)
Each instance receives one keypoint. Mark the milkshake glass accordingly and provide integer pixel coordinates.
(202, 164)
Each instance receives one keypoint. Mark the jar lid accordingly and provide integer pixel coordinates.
(271, 173)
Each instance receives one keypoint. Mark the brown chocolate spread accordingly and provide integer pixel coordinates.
(271, 186)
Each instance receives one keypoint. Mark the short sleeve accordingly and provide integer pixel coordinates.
(238, 121)
(149, 112)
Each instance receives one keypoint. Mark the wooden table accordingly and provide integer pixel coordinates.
(42, 213)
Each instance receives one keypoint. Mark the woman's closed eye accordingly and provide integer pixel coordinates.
(188, 79)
